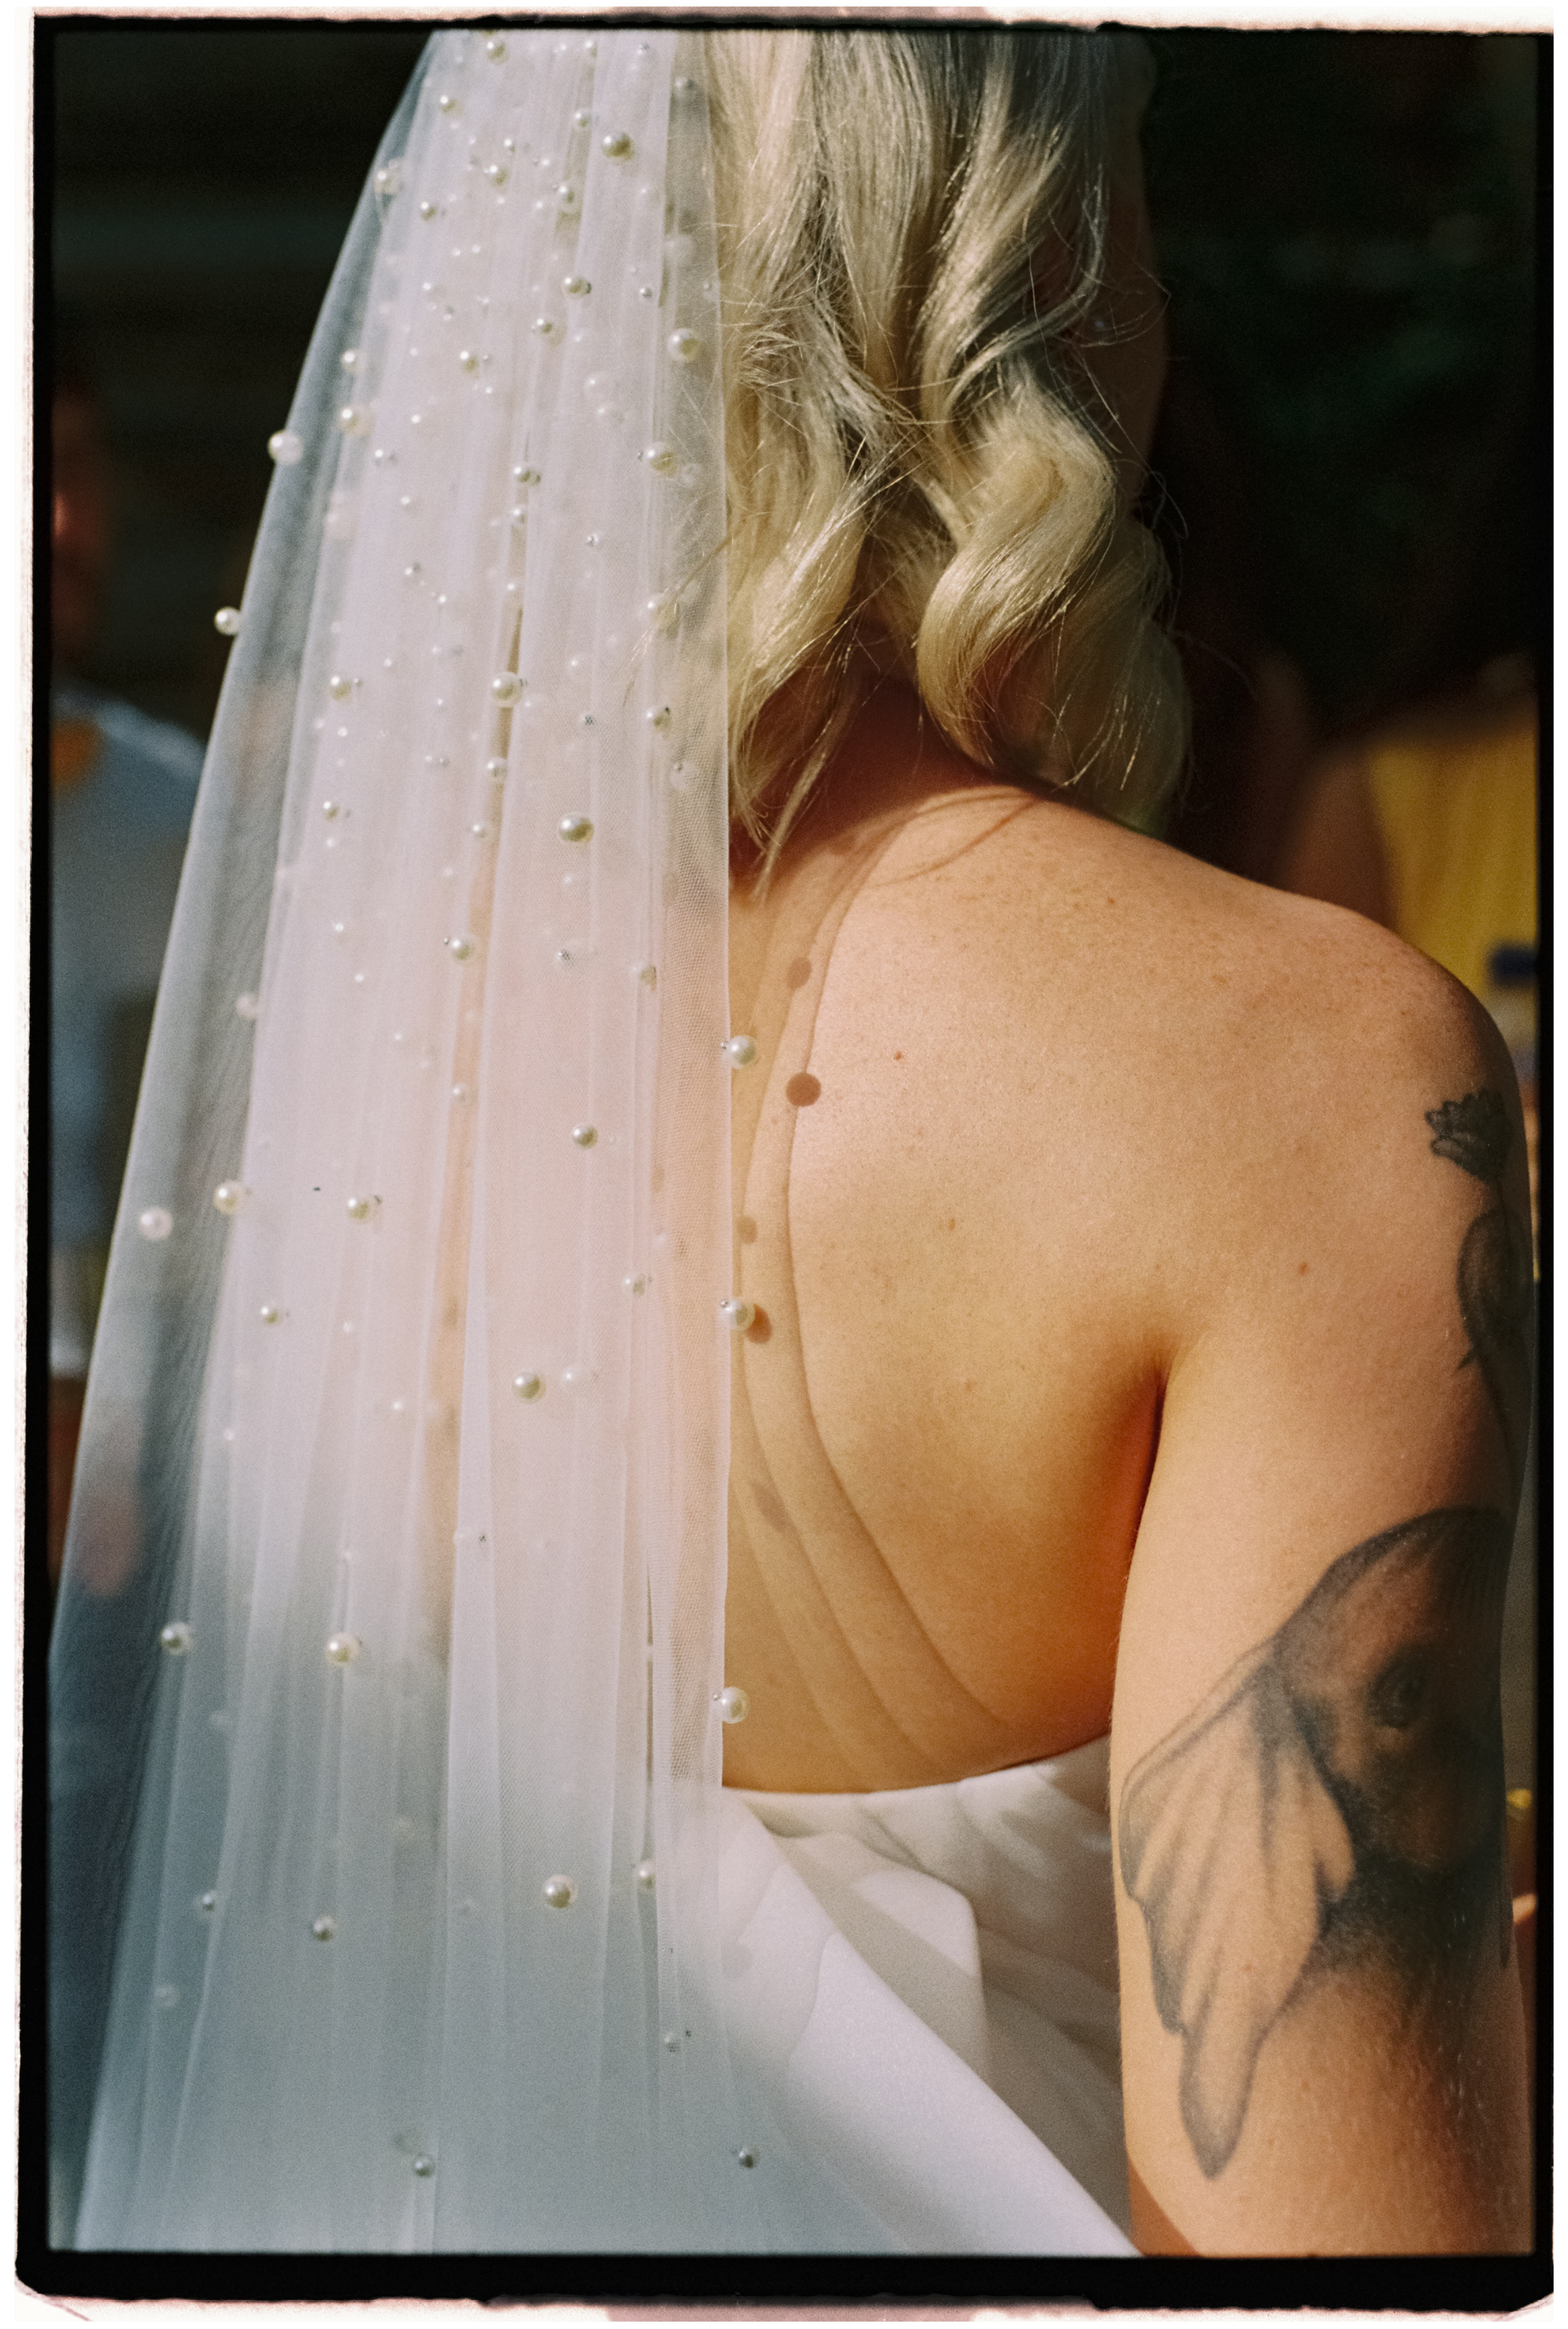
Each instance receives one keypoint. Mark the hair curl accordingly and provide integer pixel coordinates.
(917, 482)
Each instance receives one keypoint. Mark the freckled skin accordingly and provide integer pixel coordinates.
(1057, 1431)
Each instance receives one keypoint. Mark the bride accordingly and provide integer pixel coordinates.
(1099, 1283)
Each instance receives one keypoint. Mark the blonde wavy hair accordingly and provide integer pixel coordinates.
(919, 481)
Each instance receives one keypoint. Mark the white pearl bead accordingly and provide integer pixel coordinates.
(576, 828)
(495, 47)
(748, 2154)
(529, 1387)
(638, 1285)
(156, 1224)
(645, 974)
(671, 2042)
(227, 621)
(427, 209)
(446, 104)
(423, 2165)
(354, 420)
(685, 345)
(525, 475)
(738, 1314)
(742, 1051)
(342, 1649)
(286, 448)
(323, 1928)
(507, 689)
(362, 1209)
(664, 612)
(338, 686)
(205, 1904)
(660, 716)
(584, 1135)
(350, 359)
(496, 771)
(576, 287)
(460, 948)
(559, 1891)
(331, 808)
(175, 1638)
(581, 118)
(467, 361)
(567, 199)
(546, 328)
(230, 1195)
(617, 145)
(389, 180)
(645, 1875)
(661, 458)
(733, 1704)
(269, 1314)
(247, 1007)
(496, 173)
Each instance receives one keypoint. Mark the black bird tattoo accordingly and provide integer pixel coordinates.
(1495, 1267)
(1340, 1791)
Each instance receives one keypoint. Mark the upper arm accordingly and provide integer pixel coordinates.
(1322, 2037)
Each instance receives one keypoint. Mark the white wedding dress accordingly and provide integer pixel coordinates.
(932, 1974)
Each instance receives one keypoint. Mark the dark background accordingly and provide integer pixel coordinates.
(1346, 471)
(203, 180)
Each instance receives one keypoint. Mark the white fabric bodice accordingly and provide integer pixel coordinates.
(930, 1976)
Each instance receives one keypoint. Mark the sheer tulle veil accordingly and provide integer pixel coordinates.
(387, 1685)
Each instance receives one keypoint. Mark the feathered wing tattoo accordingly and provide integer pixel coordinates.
(1340, 1792)
(1228, 1811)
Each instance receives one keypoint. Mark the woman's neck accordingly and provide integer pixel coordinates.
(892, 759)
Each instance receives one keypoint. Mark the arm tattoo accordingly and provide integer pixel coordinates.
(1337, 1797)
(1493, 1266)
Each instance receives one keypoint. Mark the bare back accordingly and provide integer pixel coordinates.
(942, 1428)
(1012, 1075)
(1139, 1267)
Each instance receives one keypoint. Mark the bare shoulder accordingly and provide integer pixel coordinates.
(1045, 874)
(1340, 1272)
(1157, 985)
(1192, 1113)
